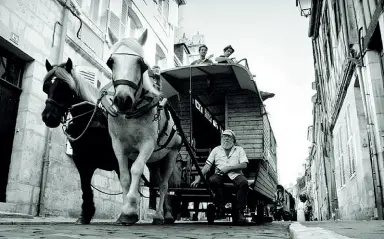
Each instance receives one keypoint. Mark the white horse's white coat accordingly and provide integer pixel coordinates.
(137, 138)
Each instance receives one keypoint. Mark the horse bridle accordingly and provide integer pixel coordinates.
(58, 105)
(126, 82)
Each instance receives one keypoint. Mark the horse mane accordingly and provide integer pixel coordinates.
(148, 84)
(137, 48)
(82, 88)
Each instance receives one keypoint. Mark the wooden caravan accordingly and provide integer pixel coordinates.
(211, 98)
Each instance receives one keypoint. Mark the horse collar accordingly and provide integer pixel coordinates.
(142, 110)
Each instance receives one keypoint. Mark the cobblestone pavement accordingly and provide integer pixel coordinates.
(178, 230)
(353, 229)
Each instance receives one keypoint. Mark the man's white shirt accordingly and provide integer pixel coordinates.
(219, 158)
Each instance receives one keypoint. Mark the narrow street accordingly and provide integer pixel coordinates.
(179, 230)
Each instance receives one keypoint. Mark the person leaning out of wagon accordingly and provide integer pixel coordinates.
(203, 49)
(229, 160)
(279, 201)
(154, 74)
(228, 51)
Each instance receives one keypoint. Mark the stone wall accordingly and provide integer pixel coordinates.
(34, 22)
(356, 193)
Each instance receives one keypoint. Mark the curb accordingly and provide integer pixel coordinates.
(298, 231)
(14, 215)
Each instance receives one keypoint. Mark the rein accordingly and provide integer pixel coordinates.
(64, 127)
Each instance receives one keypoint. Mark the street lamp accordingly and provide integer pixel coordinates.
(304, 6)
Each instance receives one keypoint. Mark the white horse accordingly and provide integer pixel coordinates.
(143, 130)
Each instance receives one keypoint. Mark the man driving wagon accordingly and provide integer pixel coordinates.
(229, 160)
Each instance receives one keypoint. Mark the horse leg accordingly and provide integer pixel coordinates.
(124, 177)
(165, 174)
(172, 204)
(88, 206)
(131, 207)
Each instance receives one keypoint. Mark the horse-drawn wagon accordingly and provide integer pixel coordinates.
(202, 101)
(208, 99)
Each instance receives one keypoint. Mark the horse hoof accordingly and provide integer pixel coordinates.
(83, 221)
(127, 220)
(157, 221)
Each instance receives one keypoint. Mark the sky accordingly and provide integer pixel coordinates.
(273, 36)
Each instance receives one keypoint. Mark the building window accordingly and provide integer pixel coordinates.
(11, 70)
(162, 7)
(135, 26)
(160, 58)
(327, 42)
(350, 143)
(337, 15)
(339, 155)
(94, 10)
(91, 9)
(118, 18)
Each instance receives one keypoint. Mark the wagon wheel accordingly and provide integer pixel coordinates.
(211, 210)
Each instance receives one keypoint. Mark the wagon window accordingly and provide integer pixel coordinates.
(198, 106)
(214, 124)
(208, 116)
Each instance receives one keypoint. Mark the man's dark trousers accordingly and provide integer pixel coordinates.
(216, 182)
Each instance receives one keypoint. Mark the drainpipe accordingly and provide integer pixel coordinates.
(48, 134)
(326, 186)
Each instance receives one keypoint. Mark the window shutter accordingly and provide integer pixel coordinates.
(114, 24)
(118, 17)
(124, 18)
(350, 144)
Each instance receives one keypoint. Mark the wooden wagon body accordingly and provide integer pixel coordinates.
(211, 98)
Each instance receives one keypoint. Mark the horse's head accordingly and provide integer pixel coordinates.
(129, 71)
(60, 88)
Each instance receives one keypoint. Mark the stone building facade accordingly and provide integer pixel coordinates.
(347, 132)
(38, 176)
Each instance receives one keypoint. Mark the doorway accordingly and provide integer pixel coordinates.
(11, 71)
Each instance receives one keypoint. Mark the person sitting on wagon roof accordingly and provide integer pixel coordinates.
(228, 51)
(229, 160)
(203, 49)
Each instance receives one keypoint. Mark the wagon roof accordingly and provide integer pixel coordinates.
(220, 75)
(209, 84)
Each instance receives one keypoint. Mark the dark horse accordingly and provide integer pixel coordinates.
(92, 149)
